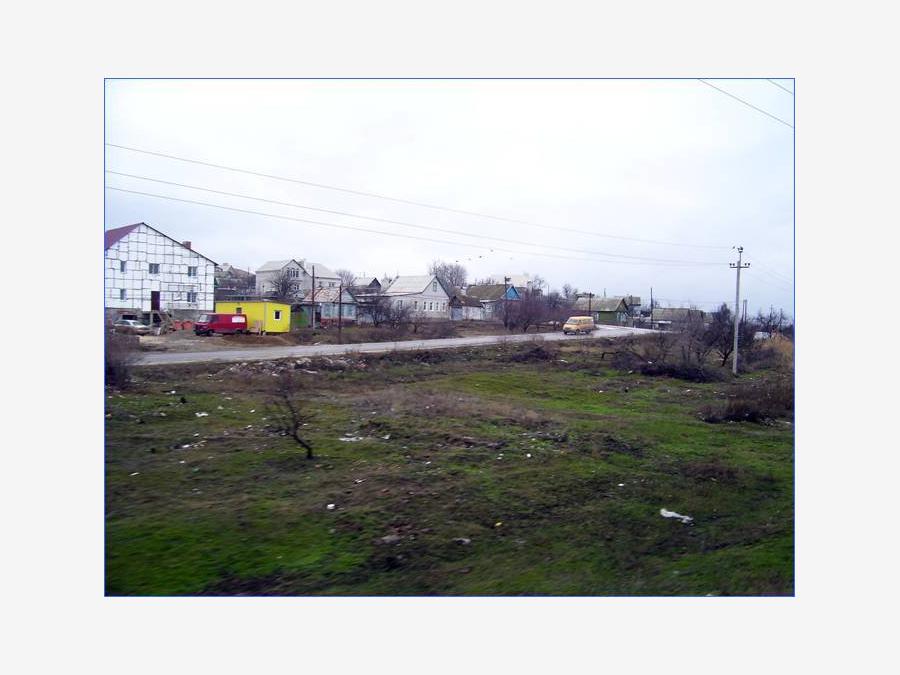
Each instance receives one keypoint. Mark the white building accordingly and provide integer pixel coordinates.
(300, 271)
(146, 270)
(424, 295)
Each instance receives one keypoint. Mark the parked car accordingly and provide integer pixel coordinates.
(579, 324)
(131, 327)
(225, 324)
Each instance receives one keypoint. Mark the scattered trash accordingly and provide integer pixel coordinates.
(528, 455)
(387, 437)
(498, 523)
(162, 414)
(202, 414)
(218, 407)
(181, 461)
(187, 445)
(350, 439)
(428, 462)
(671, 514)
(311, 372)
(253, 411)
(359, 480)
(465, 541)
(136, 473)
(172, 392)
(330, 507)
(621, 484)
(391, 539)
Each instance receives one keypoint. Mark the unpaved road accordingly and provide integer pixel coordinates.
(269, 353)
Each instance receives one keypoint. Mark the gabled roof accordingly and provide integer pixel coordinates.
(321, 270)
(275, 265)
(676, 313)
(464, 300)
(365, 281)
(413, 284)
(329, 295)
(489, 292)
(111, 237)
(600, 304)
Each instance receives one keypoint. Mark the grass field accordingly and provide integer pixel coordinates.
(486, 472)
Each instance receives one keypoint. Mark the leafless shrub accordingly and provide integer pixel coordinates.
(757, 402)
(286, 403)
(121, 353)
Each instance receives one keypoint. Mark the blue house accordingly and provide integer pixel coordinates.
(493, 297)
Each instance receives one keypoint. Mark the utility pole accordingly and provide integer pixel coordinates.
(505, 302)
(313, 321)
(651, 308)
(737, 302)
(340, 310)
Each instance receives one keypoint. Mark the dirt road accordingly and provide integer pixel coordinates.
(269, 353)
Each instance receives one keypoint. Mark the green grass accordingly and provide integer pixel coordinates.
(573, 459)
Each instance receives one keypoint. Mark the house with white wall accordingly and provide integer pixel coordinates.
(300, 271)
(424, 295)
(146, 270)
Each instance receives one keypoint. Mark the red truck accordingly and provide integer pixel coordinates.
(224, 324)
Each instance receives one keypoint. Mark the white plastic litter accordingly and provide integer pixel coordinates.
(387, 437)
(528, 455)
(671, 514)
(202, 414)
(136, 473)
(623, 485)
(330, 507)
(350, 439)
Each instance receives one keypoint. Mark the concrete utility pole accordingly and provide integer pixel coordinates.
(651, 308)
(737, 303)
(313, 320)
(340, 311)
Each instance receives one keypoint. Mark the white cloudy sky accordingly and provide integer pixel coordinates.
(671, 161)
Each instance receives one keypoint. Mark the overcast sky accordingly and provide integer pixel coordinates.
(671, 161)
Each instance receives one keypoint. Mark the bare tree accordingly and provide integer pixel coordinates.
(452, 275)
(283, 286)
(527, 312)
(346, 276)
(570, 292)
(376, 308)
(286, 409)
(398, 315)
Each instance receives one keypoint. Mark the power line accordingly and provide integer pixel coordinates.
(772, 282)
(395, 234)
(750, 105)
(405, 223)
(780, 87)
(408, 201)
(774, 273)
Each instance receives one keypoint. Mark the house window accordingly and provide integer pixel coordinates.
(430, 306)
(330, 284)
(293, 272)
(121, 294)
(122, 265)
(434, 286)
(415, 304)
(277, 314)
(192, 271)
(192, 296)
(154, 268)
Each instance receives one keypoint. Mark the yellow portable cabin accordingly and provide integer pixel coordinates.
(262, 316)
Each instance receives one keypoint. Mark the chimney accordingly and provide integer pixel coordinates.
(186, 244)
